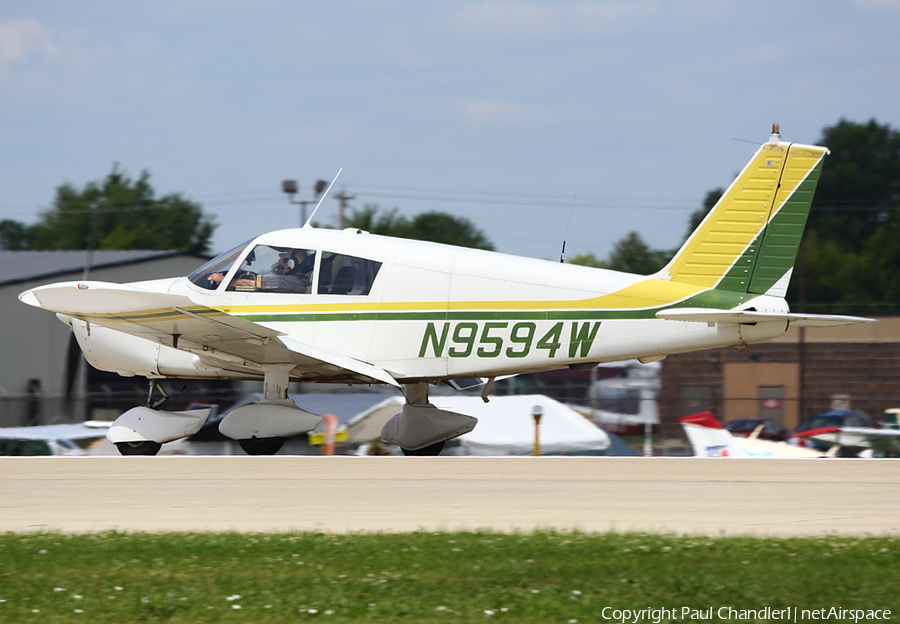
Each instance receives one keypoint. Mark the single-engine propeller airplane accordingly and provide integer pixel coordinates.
(346, 306)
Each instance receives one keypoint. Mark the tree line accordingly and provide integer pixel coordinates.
(848, 260)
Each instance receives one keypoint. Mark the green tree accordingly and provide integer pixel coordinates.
(589, 260)
(851, 246)
(630, 255)
(13, 235)
(859, 190)
(118, 213)
(437, 227)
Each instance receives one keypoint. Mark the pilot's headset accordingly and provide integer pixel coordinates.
(292, 264)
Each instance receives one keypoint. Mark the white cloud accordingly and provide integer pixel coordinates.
(891, 5)
(514, 18)
(493, 112)
(22, 39)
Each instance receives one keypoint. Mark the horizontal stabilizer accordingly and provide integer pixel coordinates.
(710, 315)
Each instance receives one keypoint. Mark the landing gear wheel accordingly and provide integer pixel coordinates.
(261, 446)
(139, 448)
(430, 450)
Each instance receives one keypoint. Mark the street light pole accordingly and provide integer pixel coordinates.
(290, 188)
(537, 412)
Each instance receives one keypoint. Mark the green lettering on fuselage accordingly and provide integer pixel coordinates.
(437, 347)
(491, 339)
(583, 337)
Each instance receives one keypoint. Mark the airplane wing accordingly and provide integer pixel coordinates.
(710, 315)
(885, 440)
(218, 338)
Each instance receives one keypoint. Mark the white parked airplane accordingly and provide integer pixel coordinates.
(346, 306)
(709, 438)
(856, 441)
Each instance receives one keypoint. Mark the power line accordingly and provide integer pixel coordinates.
(226, 198)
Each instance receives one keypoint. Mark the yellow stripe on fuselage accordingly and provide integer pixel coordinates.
(645, 294)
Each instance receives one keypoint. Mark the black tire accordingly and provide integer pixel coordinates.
(426, 451)
(139, 448)
(261, 446)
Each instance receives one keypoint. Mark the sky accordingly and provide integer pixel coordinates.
(537, 121)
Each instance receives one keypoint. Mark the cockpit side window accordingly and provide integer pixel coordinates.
(210, 275)
(346, 275)
(276, 270)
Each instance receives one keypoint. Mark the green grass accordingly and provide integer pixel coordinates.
(429, 577)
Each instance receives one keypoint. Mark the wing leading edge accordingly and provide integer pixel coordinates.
(218, 338)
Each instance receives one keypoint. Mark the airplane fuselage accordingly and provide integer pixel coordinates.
(436, 311)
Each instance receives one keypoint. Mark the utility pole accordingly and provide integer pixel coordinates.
(343, 198)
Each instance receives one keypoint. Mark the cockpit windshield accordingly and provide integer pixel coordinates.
(205, 276)
(275, 269)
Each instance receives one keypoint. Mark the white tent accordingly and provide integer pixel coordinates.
(505, 425)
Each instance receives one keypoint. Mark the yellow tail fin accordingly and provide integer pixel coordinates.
(748, 242)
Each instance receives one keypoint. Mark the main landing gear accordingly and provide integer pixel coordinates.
(421, 428)
(430, 450)
(262, 428)
(261, 446)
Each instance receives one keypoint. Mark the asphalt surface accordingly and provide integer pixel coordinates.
(766, 497)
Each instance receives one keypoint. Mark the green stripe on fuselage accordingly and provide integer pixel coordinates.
(717, 299)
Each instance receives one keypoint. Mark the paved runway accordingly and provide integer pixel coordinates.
(766, 497)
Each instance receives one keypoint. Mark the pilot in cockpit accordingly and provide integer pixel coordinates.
(288, 274)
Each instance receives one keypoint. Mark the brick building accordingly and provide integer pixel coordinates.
(788, 378)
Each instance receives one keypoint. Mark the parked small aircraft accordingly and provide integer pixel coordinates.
(855, 441)
(710, 439)
(347, 306)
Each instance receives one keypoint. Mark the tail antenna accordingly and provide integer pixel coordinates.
(562, 256)
(308, 221)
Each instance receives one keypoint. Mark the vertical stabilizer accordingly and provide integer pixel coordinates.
(707, 436)
(748, 242)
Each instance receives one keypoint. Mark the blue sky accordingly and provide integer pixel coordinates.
(504, 112)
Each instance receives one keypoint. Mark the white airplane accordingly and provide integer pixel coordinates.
(346, 306)
(855, 441)
(709, 438)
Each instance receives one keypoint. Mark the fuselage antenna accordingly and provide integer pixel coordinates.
(562, 256)
(308, 221)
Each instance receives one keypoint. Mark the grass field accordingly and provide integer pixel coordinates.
(432, 577)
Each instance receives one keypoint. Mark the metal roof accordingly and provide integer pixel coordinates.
(23, 266)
